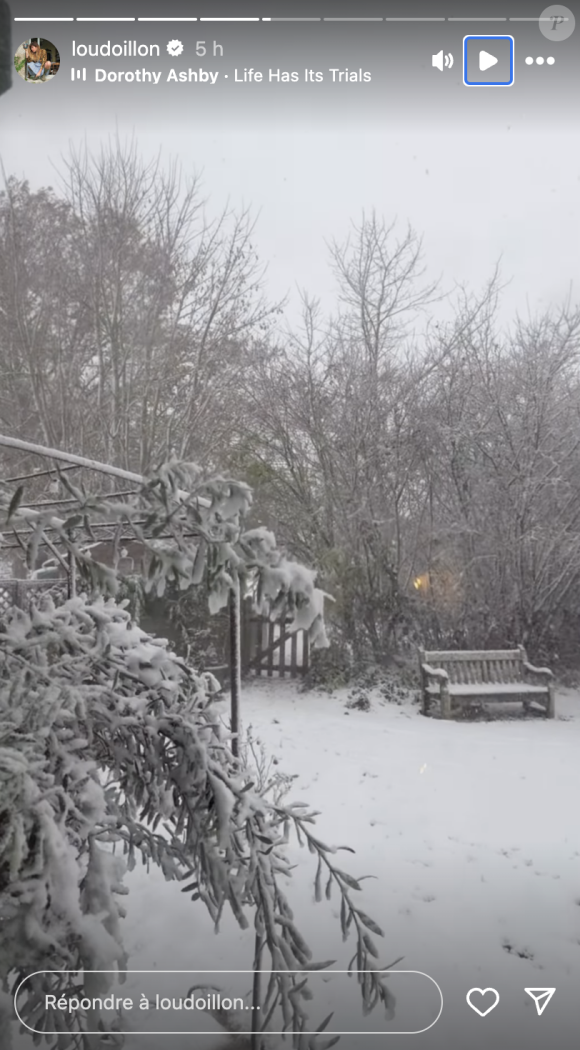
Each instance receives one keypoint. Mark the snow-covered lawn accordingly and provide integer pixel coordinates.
(470, 831)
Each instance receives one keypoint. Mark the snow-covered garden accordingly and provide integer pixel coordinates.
(468, 831)
(372, 476)
(120, 783)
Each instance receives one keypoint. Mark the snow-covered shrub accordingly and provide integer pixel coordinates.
(108, 738)
(183, 617)
(83, 696)
(394, 685)
(111, 749)
(329, 668)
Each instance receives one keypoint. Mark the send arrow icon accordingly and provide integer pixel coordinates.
(486, 61)
(541, 997)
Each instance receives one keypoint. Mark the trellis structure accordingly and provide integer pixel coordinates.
(19, 592)
(235, 667)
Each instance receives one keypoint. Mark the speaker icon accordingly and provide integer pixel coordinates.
(439, 60)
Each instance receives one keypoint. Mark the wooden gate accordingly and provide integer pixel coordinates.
(271, 649)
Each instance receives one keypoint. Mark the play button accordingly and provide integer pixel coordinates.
(486, 61)
(488, 68)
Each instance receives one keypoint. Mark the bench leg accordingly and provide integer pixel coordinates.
(551, 705)
(445, 702)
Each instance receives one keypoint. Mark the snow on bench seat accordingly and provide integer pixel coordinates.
(490, 689)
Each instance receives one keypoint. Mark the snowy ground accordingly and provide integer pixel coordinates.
(471, 833)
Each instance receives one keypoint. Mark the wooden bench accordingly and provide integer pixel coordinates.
(458, 678)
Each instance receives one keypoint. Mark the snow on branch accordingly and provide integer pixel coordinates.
(108, 737)
(193, 530)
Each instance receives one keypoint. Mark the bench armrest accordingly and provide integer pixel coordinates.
(538, 670)
(435, 672)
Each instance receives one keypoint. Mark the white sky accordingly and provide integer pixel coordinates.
(481, 175)
(474, 197)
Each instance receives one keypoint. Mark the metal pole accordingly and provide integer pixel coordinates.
(68, 457)
(235, 667)
(72, 574)
(81, 461)
(255, 1037)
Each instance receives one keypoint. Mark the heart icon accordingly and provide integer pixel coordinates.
(483, 993)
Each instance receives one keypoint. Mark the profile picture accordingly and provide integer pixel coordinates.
(37, 60)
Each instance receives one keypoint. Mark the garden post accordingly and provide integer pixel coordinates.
(235, 666)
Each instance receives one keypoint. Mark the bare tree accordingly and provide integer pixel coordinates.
(129, 315)
(503, 472)
(339, 436)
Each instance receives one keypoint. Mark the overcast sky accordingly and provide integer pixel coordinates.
(490, 185)
(473, 198)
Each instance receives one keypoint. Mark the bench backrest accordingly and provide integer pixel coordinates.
(486, 665)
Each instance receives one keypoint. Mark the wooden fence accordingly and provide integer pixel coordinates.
(271, 649)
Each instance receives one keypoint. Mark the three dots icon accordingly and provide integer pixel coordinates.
(540, 61)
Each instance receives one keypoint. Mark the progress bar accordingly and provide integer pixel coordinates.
(289, 18)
